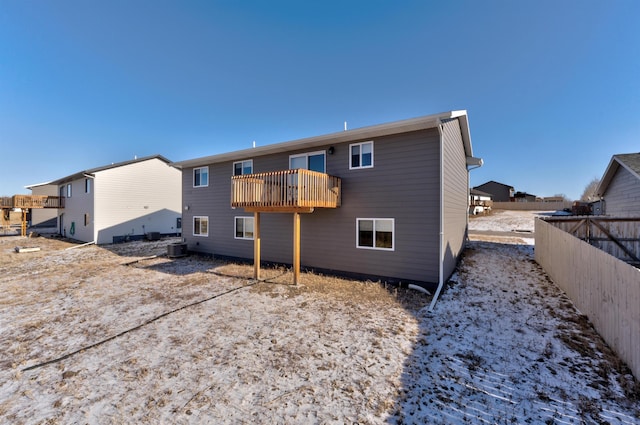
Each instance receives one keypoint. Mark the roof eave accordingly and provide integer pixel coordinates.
(91, 172)
(412, 124)
(611, 170)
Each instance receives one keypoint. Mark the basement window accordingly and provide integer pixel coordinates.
(244, 228)
(200, 226)
(375, 233)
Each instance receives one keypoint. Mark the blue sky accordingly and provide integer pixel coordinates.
(552, 88)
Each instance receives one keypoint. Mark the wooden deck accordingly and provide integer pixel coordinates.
(31, 201)
(25, 203)
(285, 191)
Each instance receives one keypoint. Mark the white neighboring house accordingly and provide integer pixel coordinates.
(479, 202)
(122, 201)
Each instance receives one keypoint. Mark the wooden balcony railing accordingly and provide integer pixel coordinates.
(285, 190)
(32, 201)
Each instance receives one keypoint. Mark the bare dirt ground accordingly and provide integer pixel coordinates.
(122, 334)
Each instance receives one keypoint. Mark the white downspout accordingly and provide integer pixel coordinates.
(441, 235)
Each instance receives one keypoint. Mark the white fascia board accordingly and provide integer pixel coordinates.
(607, 176)
(31, 186)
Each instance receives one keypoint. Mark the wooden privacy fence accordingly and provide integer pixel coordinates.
(604, 288)
(617, 236)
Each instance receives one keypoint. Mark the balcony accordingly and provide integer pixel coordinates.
(32, 201)
(285, 191)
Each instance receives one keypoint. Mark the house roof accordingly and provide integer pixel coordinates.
(479, 193)
(629, 161)
(493, 181)
(91, 172)
(413, 124)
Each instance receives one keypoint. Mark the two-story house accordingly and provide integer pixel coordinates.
(123, 201)
(388, 201)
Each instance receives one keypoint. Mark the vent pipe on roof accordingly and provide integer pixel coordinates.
(254, 143)
(345, 126)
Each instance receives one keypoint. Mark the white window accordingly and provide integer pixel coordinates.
(241, 168)
(201, 177)
(69, 190)
(87, 185)
(244, 228)
(314, 161)
(375, 233)
(361, 155)
(200, 226)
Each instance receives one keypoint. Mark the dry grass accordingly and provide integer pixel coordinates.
(276, 281)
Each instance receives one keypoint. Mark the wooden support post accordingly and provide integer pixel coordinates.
(23, 226)
(296, 248)
(256, 245)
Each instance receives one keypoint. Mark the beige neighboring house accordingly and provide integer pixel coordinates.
(44, 219)
(118, 202)
(620, 186)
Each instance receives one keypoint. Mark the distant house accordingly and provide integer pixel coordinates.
(620, 186)
(479, 202)
(524, 197)
(387, 201)
(117, 202)
(499, 192)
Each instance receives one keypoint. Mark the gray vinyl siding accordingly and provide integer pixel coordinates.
(403, 185)
(455, 189)
(622, 197)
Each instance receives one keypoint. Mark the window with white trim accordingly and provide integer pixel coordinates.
(200, 225)
(241, 168)
(69, 190)
(361, 155)
(87, 185)
(201, 177)
(314, 161)
(375, 233)
(244, 228)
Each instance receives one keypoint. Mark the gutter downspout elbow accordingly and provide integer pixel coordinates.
(441, 232)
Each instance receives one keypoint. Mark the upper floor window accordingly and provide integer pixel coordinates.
(375, 233)
(201, 177)
(244, 228)
(69, 190)
(200, 226)
(243, 167)
(314, 161)
(361, 155)
(87, 185)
